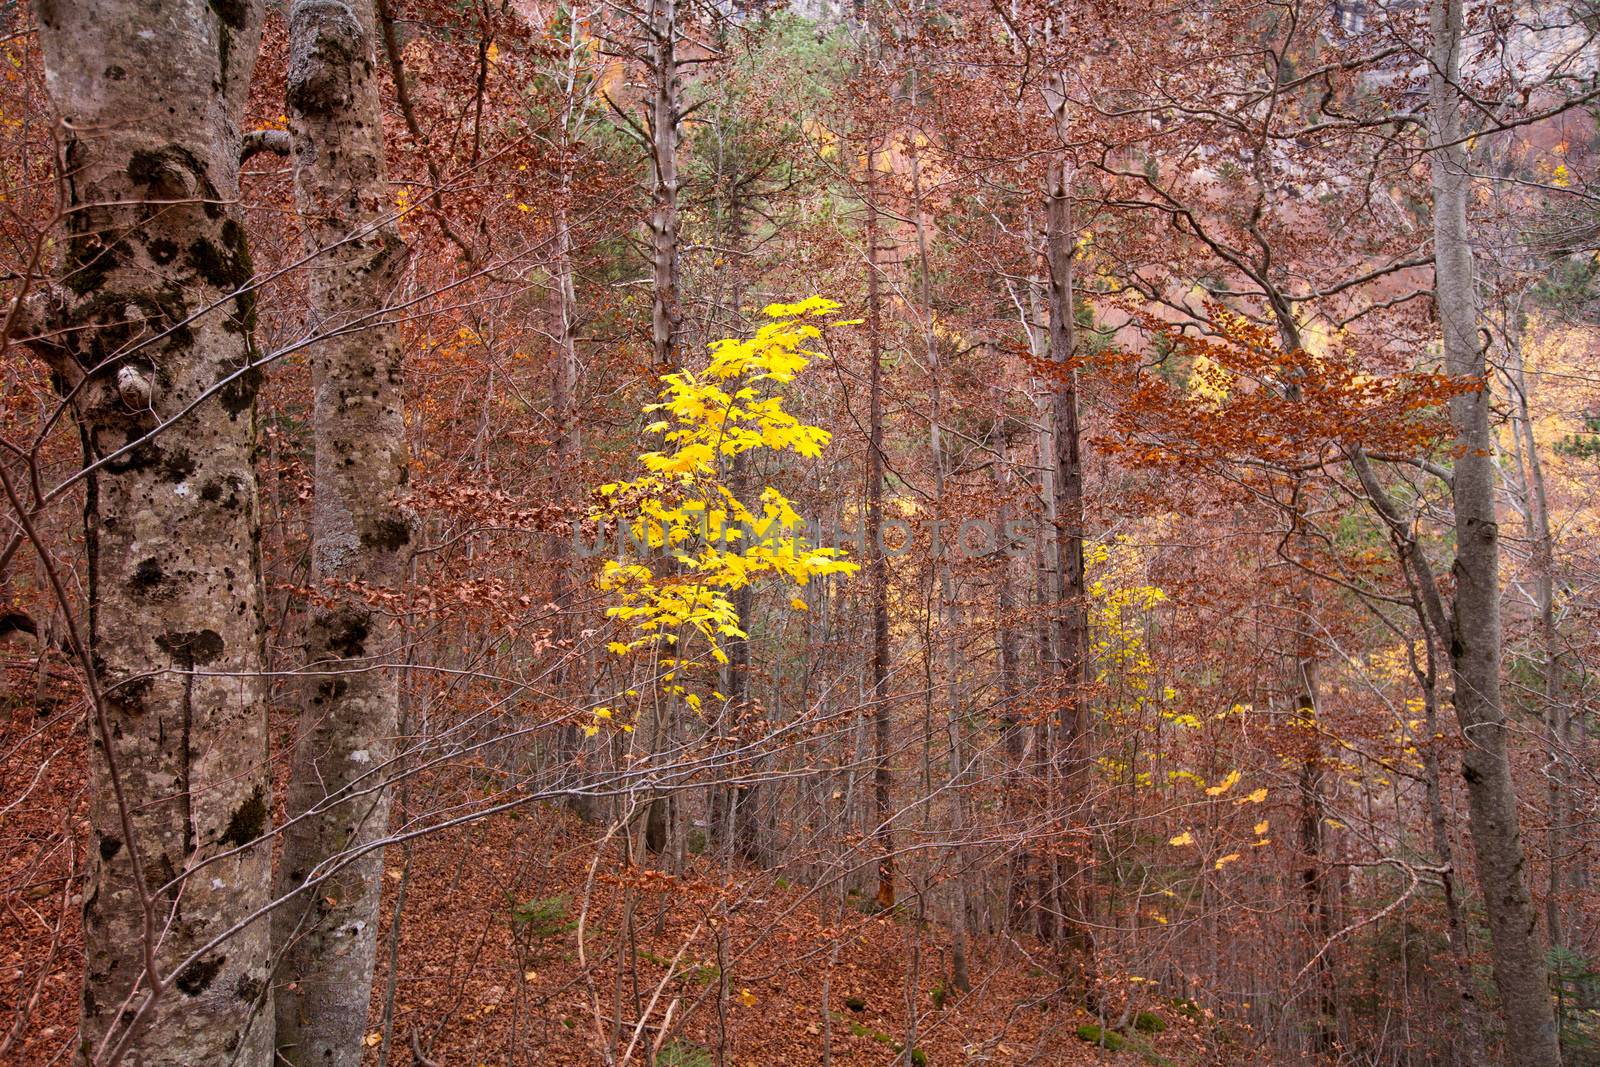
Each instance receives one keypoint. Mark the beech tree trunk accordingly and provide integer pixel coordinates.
(361, 532)
(949, 611)
(1008, 679)
(569, 432)
(877, 557)
(1475, 630)
(156, 316)
(1072, 619)
(667, 312)
(1072, 628)
(1434, 621)
(1323, 1026)
(1035, 868)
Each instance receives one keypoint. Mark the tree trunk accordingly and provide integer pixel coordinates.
(157, 316)
(1470, 1029)
(648, 832)
(1314, 876)
(1072, 621)
(948, 610)
(1429, 607)
(361, 532)
(877, 556)
(1035, 867)
(667, 311)
(1558, 719)
(569, 428)
(1008, 683)
(1475, 635)
(1072, 629)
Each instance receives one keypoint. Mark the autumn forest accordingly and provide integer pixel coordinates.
(726, 533)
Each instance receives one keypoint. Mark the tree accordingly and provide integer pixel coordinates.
(877, 556)
(1474, 626)
(152, 340)
(338, 800)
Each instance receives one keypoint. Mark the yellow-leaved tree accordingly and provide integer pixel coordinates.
(685, 539)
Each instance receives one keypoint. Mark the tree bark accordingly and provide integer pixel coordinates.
(1008, 681)
(1072, 620)
(1475, 633)
(877, 556)
(1314, 876)
(1072, 628)
(949, 612)
(569, 432)
(667, 310)
(1560, 809)
(361, 533)
(1469, 1035)
(156, 315)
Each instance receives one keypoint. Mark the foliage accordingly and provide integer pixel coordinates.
(1576, 985)
(681, 1053)
(702, 542)
(542, 917)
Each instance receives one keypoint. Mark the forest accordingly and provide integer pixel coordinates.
(727, 533)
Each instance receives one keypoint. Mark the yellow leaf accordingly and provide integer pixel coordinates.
(1185, 838)
(1261, 827)
(1253, 798)
(799, 605)
(1224, 785)
(747, 998)
(1223, 861)
(374, 1039)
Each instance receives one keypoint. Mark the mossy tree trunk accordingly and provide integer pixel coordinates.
(155, 322)
(361, 533)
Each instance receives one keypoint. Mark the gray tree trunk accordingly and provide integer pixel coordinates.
(156, 318)
(877, 558)
(1475, 633)
(667, 311)
(1072, 619)
(361, 532)
(949, 611)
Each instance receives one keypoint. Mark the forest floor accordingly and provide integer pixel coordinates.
(491, 970)
(747, 988)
